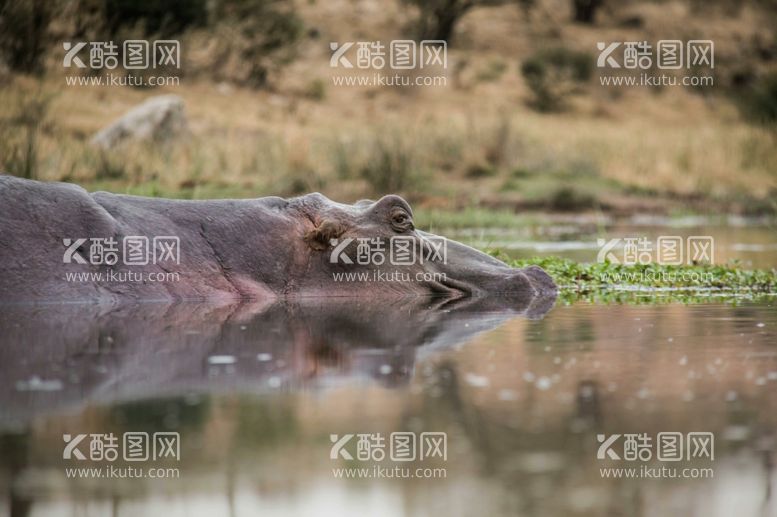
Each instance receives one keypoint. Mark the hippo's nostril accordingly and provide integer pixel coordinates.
(519, 282)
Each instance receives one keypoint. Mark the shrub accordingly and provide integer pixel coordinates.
(155, 17)
(555, 73)
(569, 199)
(438, 18)
(493, 71)
(256, 37)
(315, 90)
(760, 101)
(19, 137)
(389, 167)
(480, 170)
(24, 33)
(584, 11)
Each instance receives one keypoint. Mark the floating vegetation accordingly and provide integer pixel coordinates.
(656, 283)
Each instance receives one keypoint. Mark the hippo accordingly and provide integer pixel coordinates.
(59, 242)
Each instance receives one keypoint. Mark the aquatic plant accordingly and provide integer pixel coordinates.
(655, 283)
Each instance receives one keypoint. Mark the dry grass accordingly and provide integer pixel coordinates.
(465, 143)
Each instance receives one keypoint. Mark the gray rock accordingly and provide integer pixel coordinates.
(159, 119)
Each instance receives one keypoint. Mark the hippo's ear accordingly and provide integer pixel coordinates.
(319, 237)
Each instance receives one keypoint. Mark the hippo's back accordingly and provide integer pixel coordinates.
(35, 220)
(48, 232)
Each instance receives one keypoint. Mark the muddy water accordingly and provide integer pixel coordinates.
(256, 393)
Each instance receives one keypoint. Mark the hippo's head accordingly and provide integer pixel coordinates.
(374, 246)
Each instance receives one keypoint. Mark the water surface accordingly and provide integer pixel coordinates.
(748, 240)
(255, 393)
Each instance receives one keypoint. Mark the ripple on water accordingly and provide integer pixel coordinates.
(478, 381)
(221, 359)
(35, 383)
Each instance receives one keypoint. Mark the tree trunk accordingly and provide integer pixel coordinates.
(585, 10)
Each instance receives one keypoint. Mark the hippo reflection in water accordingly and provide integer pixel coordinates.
(60, 357)
(266, 248)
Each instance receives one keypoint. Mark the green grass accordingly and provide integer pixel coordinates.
(471, 217)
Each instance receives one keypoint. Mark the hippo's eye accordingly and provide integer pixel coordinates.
(400, 220)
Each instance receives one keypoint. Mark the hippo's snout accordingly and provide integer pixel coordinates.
(531, 280)
(541, 281)
(474, 272)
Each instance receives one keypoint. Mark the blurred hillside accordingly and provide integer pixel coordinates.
(523, 121)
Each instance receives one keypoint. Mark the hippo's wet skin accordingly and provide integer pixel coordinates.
(264, 248)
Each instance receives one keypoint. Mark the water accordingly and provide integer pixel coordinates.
(255, 393)
(749, 240)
